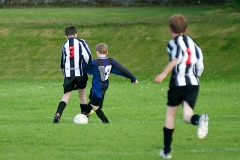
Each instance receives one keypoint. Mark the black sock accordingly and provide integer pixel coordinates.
(195, 119)
(168, 134)
(61, 107)
(101, 115)
(83, 108)
(88, 108)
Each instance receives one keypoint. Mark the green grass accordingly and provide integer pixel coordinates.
(31, 84)
(136, 114)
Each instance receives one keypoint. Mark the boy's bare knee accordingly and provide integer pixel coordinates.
(94, 107)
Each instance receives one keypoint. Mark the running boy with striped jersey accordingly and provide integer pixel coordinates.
(75, 53)
(101, 69)
(186, 64)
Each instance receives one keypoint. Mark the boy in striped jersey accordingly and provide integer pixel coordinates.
(186, 65)
(101, 69)
(75, 54)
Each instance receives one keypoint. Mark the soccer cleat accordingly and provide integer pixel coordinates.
(165, 155)
(203, 126)
(56, 119)
(89, 114)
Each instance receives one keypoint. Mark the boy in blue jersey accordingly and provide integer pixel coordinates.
(186, 65)
(75, 53)
(101, 69)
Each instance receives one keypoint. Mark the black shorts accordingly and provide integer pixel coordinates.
(176, 95)
(74, 83)
(96, 101)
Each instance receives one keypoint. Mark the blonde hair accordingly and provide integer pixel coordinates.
(178, 23)
(102, 48)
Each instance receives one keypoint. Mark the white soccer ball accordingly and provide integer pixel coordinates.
(80, 119)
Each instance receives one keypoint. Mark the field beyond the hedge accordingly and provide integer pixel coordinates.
(31, 84)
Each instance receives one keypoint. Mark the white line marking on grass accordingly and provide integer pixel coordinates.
(216, 149)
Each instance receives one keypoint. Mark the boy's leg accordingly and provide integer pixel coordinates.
(66, 97)
(83, 100)
(100, 113)
(190, 99)
(88, 108)
(195, 119)
(167, 138)
(81, 83)
(83, 108)
(188, 114)
(82, 96)
(169, 128)
(61, 106)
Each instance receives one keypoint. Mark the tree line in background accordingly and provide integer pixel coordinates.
(15, 3)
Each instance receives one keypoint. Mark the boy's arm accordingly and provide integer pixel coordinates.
(199, 65)
(86, 53)
(62, 59)
(165, 72)
(62, 62)
(118, 69)
(89, 68)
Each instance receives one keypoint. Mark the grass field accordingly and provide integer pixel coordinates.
(135, 131)
(30, 85)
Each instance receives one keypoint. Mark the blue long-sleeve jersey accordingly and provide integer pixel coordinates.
(101, 69)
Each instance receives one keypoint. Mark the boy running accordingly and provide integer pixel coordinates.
(186, 64)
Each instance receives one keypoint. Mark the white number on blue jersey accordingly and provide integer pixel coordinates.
(104, 72)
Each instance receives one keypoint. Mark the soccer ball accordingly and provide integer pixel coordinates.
(80, 119)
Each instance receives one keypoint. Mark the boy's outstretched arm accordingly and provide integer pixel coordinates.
(118, 69)
(165, 72)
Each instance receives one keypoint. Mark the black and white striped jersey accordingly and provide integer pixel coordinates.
(75, 53)
(190, 61)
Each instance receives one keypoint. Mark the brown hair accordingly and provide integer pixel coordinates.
(70, 30)
(178, 23)
(102, 48)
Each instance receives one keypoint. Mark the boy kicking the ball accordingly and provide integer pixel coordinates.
(101, 69)
(75, 53)
(186, 65)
